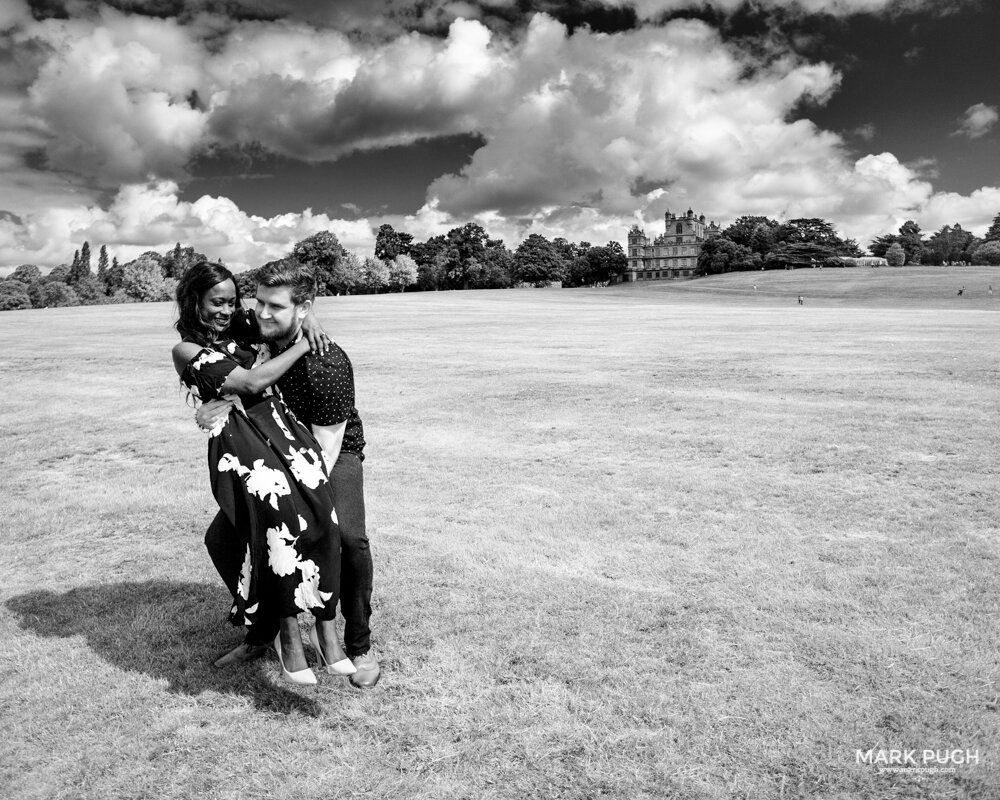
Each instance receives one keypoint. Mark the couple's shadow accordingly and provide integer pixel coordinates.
(169, 630)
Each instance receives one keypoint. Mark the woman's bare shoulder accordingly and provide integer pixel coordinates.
(182, 354)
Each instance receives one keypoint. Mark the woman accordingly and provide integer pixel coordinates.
(268, 475)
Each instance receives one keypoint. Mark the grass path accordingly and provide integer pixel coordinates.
(646, 542)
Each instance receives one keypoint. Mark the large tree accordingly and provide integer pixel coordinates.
(143, 279)
(988, 253)
(26, 273)
(374, 274)
(325, 255)
(911, 240)
(390, 243)
(496, 269)
(721, 254)
(466, 250)
(537, 261)
(755, 233)
(431, 257)
(14, 295)
(993, 234)
(402, 272)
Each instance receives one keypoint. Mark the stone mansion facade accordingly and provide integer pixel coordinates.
(672, 254)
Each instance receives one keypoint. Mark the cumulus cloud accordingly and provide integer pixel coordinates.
(115, 97)
(583, 133)
(152, 217)
(317, 96)
(977, 121)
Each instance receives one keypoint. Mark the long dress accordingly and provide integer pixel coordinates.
(271, 479)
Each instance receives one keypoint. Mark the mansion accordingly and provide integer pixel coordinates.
(672, 254)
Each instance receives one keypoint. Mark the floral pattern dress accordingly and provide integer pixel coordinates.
(271, 479)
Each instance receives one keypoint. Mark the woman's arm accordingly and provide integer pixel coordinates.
(256, 380)
(182, 353)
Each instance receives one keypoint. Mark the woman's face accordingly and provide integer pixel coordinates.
(218, 305)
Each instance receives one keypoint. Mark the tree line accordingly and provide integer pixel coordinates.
(756, 242)
(464, 258)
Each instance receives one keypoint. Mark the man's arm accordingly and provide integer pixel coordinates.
(330, 438)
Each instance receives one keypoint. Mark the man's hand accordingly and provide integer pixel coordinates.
(212, 413)
(314, 333)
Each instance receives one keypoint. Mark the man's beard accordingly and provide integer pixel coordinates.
(271, 333)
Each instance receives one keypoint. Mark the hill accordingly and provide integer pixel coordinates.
(901, 287)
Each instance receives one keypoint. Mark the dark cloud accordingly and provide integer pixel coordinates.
(264, 10)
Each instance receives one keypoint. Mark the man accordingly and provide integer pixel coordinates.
(319, 390)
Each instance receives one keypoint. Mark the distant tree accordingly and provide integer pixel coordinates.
(402, 272)
(993, 234)
(58, 274)
(880, 244)
(14, 295)
(895, 255)
(567, 253)
(179, 260)
(755, 233)
(102, 263)
(26, 274)
(537, 261)
(720, 254)
(389, 243)
(114, 277)
(597, 265)
(56, 293)
(246, 281)
(374, 274)
(496, 269)
(323, 252)
(80, 268)
(466, 248)
(432, 258)
(143, 280)
(948, 245)
(988, 253)
(90, 290)
(911, 240)
(851, 248)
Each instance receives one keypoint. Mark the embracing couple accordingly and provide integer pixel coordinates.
(284, 455)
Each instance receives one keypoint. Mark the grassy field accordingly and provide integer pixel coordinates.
(661, 540)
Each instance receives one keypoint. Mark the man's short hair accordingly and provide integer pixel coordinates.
(291, 273)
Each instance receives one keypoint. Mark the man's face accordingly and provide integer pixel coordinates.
(278, 316)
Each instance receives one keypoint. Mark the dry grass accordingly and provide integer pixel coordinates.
(662, 540)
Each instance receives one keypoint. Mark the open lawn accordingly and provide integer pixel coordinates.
(661, 540)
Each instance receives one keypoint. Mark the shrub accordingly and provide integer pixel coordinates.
(14, 296)
(987, 253)
(895, 255)
(56, 293)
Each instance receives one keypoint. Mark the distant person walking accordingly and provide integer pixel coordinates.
(800, 299)
(961, 291)
(991, 290)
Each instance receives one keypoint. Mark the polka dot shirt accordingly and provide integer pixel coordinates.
(319, 389)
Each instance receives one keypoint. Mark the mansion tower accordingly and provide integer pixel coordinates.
(672, 254)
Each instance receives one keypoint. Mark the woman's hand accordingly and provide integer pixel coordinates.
(212, 413)
(314, 333)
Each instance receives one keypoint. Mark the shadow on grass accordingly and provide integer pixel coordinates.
(170, 630)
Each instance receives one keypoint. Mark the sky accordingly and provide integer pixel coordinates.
(240, 127)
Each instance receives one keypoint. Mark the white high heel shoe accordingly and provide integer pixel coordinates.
(343, 668)
(305, 677)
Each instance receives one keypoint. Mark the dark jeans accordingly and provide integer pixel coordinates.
(347, 479)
